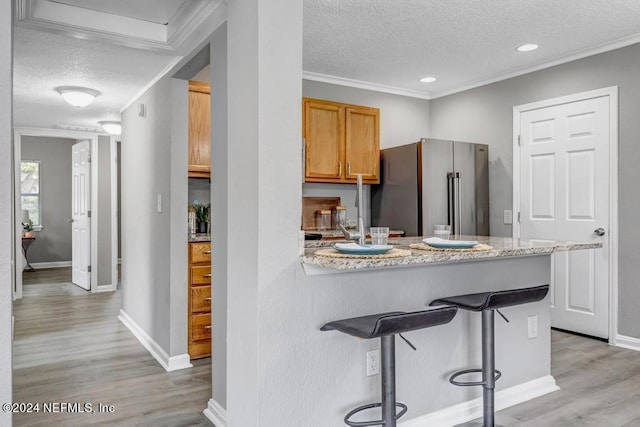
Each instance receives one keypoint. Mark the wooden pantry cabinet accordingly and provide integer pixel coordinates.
(199, 312)
(199, 130)
(341, 140)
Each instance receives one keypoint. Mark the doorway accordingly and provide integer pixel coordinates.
(565, 188)
(102, 276)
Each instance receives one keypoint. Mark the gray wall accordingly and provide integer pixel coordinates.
(152, 250)
(53, 243)
(488, 118)
(104, 211)
(7, 230)
(402, 120)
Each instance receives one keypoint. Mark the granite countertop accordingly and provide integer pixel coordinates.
(502, 247)
(200, 237)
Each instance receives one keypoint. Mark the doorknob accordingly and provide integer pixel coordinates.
(599, 231)
(70, 219)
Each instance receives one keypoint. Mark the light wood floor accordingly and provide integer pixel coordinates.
(70, 347)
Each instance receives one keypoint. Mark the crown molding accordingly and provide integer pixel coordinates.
(76, 21)
(189, 20)
(341, 81)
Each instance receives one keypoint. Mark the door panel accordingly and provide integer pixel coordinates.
(437, 162)
(362, 143)
(564, 195)
(324, 140)
(81, 221)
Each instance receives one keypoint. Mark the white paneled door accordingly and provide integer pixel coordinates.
(80, 219)
(564, 195)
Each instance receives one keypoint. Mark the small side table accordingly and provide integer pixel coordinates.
(26, 242)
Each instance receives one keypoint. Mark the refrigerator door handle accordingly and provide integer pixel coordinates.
(458, 228)
(450, 200)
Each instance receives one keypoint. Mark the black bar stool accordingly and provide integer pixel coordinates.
(487, 303)
(386, 326)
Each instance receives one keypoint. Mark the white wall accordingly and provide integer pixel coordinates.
(219, 214)
(487, 116)
(154, 270)
(104, 266)
(7, 230)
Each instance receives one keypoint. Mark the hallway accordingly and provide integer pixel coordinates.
(70, 347)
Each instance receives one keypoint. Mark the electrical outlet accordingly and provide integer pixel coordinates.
(373, 362)
(508, 216)
(532, 327)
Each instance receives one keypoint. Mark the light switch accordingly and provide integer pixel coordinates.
(508, 216)
(159, 203)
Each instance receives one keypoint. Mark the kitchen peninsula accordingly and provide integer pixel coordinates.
(348, 287)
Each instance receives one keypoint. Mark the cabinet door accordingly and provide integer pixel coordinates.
(199, 130)
(324, 141)
(362, 144)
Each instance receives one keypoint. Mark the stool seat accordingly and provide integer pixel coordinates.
(494, 300)
(386, 326)
(392, 323)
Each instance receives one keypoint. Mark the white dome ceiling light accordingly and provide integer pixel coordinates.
(428, 79)
(113, 128)
(77, 96)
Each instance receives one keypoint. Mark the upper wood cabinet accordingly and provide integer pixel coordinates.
(199, 130)
(341, 140)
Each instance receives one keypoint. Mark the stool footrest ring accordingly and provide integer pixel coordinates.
(351, 413)
(452, 378)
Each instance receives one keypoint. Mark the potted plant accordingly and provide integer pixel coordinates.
(202, 215)
(27, 228)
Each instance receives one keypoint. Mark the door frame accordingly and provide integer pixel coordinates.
(612, 93)
(18, 133)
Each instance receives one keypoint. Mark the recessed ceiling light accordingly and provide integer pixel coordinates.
(428, 79)
(527, 47)
(114, 128)
(77, 96)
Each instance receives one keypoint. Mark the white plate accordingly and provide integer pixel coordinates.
(437, 242)
(357, 249)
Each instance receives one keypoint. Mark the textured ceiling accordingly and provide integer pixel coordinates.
(157, 11)
(461, 42)
(44, 61)
(381, 42)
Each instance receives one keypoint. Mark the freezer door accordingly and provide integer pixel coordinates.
(472, 188)
(394, 203)
(437, 166)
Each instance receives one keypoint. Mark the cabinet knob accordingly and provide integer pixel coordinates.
(207, 299)
(207, 275)
(207, 327)
(339, 168)
(207, 252)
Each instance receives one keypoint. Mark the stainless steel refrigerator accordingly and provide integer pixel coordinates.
(433, 182)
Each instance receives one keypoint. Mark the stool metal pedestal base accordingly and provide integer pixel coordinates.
(388, 378)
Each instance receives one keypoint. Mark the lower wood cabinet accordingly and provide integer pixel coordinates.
(199, 321)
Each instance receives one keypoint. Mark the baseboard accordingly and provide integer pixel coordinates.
(627, 342)
(216, 414)
(169, 364)
(56, 264)
(472, 409)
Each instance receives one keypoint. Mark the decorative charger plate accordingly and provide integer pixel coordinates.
(358, 249)
(439, 243)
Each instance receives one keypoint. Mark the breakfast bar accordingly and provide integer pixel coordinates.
(351, 286)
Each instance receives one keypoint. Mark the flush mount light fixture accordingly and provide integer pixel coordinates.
(114, 128)
(527, 47)
(77, 96)
(428, 79)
